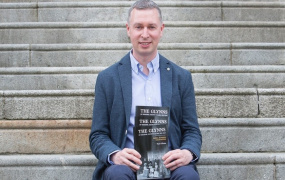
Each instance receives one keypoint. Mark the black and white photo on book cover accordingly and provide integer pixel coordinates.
(151, 141)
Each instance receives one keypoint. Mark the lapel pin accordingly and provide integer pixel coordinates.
(168, 69)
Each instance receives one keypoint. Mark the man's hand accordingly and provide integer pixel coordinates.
(129, 157)
(176, 158)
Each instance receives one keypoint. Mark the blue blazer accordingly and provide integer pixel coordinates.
(112, 109)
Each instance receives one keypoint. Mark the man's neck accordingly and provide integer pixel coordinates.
(144, 60)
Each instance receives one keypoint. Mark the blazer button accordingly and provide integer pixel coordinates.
(126, 132)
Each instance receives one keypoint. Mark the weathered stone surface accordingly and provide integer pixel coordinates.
(46, 167)
(2, 104)
(48, 81)
(89, 14)
(226, 166)
(238, 80)
(172, 11)
(18, 15)
(243, 135)
(76, 58)
(227, 103)
(272, 102)
(253, 14)
(14, 59)
(14, 55)
(57, 105)
(258, 57)
(225, 172)
(44, 136)
(237, 166)
(280, 167)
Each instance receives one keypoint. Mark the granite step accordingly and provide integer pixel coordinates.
(105, 54)
(61, 78)
(224, 166)
(115, 32)
(71, 136)
(117, 11)
(77, 104)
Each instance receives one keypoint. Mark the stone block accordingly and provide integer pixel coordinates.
(280, 166)
(17, 55)
(14, 59)
(201, 57)
(227, 103)
(73, 34)
(81, 14)
(2, 104)
(238, 80)
(48, 105)
(237, 166)
(76, 58)
(47, 167)
(18, 15)
(212, 32)
(242, 135)
(57, 81)
(258, 57)
(95, 13)
(44, 136)
(254, 13)
(272, 102)
(235, 172)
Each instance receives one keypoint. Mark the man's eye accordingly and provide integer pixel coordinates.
(138, 27)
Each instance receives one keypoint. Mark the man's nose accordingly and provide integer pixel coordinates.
(145, 33)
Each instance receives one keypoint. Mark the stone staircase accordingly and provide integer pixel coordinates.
(52, 50)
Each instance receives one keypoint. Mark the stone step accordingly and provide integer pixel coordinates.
(158, 1)
(117, 11)
(220, 135)
(78, 104)
(224, 166)
(240, 166)
(183, 54)
(228, 135)
(115, 32)
(61, 78)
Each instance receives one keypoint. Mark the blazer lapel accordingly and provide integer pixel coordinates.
(125, 75)
(165, 81)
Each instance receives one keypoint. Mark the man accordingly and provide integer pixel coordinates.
(143, 77)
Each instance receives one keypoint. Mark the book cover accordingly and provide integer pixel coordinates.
(151, 141)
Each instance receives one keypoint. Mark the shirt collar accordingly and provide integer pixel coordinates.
(135, 64)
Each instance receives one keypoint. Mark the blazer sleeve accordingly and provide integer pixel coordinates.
(191, 138)
(100, 143)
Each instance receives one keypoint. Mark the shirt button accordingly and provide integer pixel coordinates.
(126, 132)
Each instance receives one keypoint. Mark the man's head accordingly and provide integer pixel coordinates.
(145, 29)
(145, 4)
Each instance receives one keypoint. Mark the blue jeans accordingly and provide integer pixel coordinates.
(122, 172)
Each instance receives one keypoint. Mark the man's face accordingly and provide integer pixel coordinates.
(145, 30)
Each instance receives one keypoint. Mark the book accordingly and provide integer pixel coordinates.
(151, 141)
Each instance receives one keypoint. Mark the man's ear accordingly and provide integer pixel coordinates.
(161, 28)
(128, 29)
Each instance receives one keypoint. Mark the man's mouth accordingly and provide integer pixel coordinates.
(145, 43)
